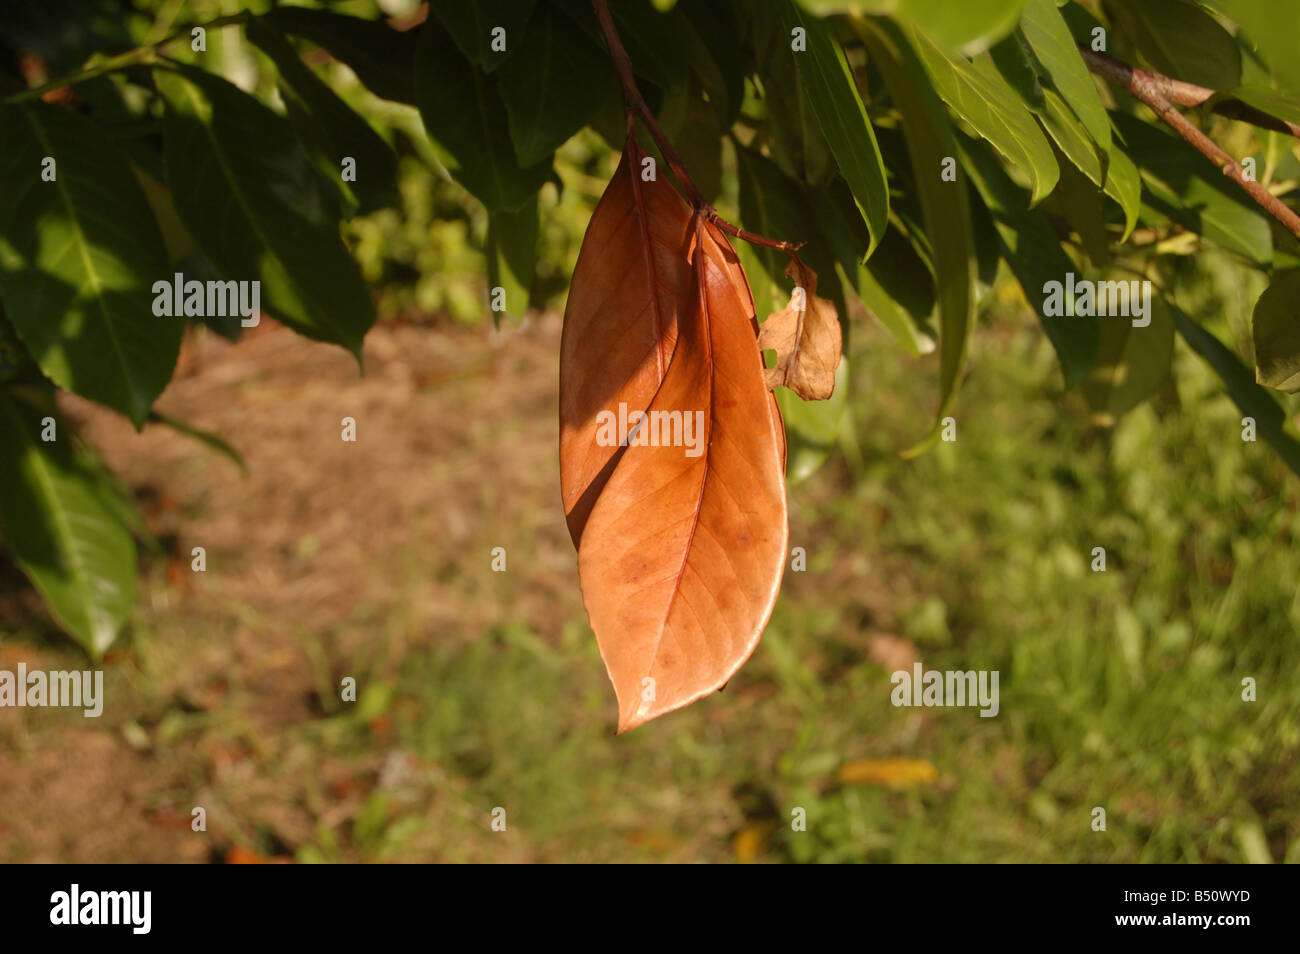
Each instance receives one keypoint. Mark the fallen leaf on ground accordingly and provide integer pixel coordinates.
(890, 773)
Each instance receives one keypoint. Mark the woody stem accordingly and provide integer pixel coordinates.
(636, 107)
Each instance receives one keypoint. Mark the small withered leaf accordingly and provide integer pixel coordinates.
(806, 337)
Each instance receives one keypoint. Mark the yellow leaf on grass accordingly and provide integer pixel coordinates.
(749, 842)
(891, 773)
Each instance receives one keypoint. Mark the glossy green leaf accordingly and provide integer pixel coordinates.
(63, 531)
(331, 127)
(488, 32)
(78, 259)
(1253, 400)
(255, 205)
(1117, 176)
(552, 88)
(1181, 40)
(1053, 47)
(843, 118)
(1183, 186)
(968, 26)
(1016, 62)
(980, 95)
(944, 204)
(1036, 257)
(797, 143)
(466, 120)
(382, 57)
(512, 258)
(895, 286)
(903, 324)
(958, 26)
(1276, 330)
(1271, 30)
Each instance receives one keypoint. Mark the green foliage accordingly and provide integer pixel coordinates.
(824, 71)
(944, 204)
(262, 212)
(1277, 333)
(826, 122)
(77, 260)
(62, 525)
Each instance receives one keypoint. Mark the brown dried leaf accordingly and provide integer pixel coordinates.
(806, 337)
(620, 322)
(681, 556)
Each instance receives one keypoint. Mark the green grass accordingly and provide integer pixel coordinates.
(1119, 689)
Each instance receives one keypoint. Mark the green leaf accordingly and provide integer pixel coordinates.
(895, 285)
(693, 124)
(1053, 45)
(1132, 362)
(1185, 187)
(944, 204)
(906, 326)
(982, 97)
(214, 442)
(512, 257)
(1265, 99)
(967, 27)
(798, 145)
(1249, 397)
(78, 259)
(64, 533)
(1274, 32)
(1035, 255)
(1181, 40)
(773, 205)
(653, 40)
(1014, 60)
(719, 61)
(256, 207)
(1118, 178)
(552, 88)
(1276, 331)
(486, 31)
(330, 126)
(381, 57)
(812, 427)
(843, 119)
(466, 120)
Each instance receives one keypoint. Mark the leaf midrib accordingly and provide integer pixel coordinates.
(87, 264)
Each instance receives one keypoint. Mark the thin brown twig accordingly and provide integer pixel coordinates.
(1183, 93)
(140, 55)
(1150, 89)
(636, 107)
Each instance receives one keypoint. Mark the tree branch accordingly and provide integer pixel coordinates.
(1184, 94)
(139, 56)
(636, 107)
(1156, 91)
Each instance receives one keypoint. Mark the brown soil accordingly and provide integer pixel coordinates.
(324, 550)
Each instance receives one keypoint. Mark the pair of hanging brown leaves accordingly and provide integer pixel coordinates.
(681, 536)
